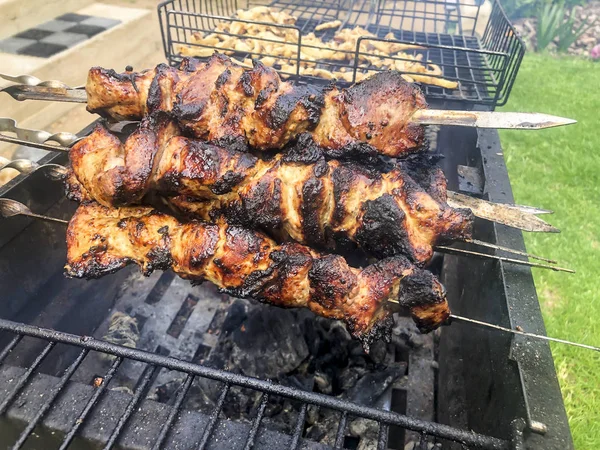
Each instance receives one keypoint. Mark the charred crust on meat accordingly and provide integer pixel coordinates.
(264, 94)
(253, 286)
(234, 143)
(362, 151)
(416, 289)
(206, 247)
(91, 268)
(383, 229)
(304, 151)
(422, 169)
(227, 182)
(380, 330)
(262, 203)
(245, 82)
(313, 192)
(223, 78)
(190, 64)
(154, 101)
(287, 102)
(330, 282)
(159, 258)
(189, 110)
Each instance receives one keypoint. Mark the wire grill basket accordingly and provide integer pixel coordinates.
(471, 46)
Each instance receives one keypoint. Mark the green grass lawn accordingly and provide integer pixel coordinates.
(559, 169)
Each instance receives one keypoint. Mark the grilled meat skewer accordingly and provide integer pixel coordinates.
(223, 102)
(245, 263)
(297, 195)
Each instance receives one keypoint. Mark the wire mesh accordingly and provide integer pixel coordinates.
(156, 362)
(469, 44)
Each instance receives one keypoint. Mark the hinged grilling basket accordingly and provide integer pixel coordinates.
(471, 52)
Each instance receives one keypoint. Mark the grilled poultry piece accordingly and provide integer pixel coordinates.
(296, 194)
(222, 102)
(245, 263)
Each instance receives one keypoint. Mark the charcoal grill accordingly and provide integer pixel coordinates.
(490, 390)
(479, 50)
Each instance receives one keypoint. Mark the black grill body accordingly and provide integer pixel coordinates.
(473, 44)
(491, 390)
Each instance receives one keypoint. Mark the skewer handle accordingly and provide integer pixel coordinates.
(26, 166)
(28, 87)
(10, 208)
(35, 138)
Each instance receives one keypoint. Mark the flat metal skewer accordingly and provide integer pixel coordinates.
(490, 119)
(40, 145)
(32, 88)
(10, 208)
(460, 251)
(510, 215)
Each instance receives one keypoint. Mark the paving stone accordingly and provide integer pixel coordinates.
(42, 49)
(101, 22)
(33, 33)
(55, 25)
(88, 30)
(73, 17)
(64, 38)
(14, 44)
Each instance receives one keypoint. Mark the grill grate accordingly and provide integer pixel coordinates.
(156, 362)
(480, 51)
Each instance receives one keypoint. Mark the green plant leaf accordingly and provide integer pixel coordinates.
(549, 19)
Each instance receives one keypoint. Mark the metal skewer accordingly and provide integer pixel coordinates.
(522, 333)
(31, 88)
(511, 215)
(26, 166)
(460, 251)
(510, 330)
(10, 208)
(507, 249)
(490, 119)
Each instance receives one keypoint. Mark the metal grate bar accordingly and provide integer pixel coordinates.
(185, 387)
(52, 397)
(91, 403)
(382, 439)
(264, 399)
(391, 418)
(26, 377)
(137, 396)
(339, 438)
(214, 418)
(299, 428)
(12, 344)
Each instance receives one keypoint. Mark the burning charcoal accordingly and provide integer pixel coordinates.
(323, 382)
(378, 352)
(371, 386)
(236, 315)
(269, 343)
(122, 330)
(348, 378)
(365, 429)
